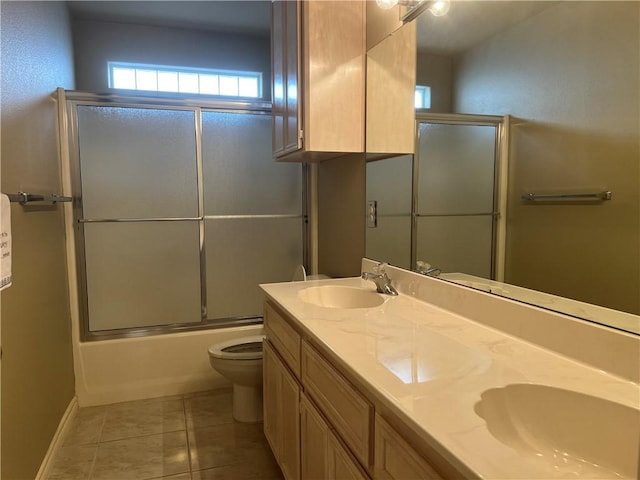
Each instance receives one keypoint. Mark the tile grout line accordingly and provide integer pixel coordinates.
(141, 436)
(186, 432)
(99, 440)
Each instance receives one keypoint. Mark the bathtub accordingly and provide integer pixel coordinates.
(127, 369)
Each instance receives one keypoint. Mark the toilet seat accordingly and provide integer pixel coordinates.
(233, 349)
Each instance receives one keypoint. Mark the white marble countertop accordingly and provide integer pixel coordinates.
(431, 367)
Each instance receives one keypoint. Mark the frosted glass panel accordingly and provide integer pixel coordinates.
(137, 162)
(389, 183)
(240, 175)
(456, 244)
(142, 274)
(242, 253)
(390, 241)
(456, 169)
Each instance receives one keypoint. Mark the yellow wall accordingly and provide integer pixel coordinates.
(436, 71)
(570, 76)
(37, 370)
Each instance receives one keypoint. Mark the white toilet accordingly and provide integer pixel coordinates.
(240, 361)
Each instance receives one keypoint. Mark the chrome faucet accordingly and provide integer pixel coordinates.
(380, 278)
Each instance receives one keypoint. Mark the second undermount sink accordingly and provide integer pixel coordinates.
(337, 296)
(577, 435)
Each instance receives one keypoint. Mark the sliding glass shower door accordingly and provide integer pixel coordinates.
(139, 216)
(183, 213)
(252, 213)
(455, 201)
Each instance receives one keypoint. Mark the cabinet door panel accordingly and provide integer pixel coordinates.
(270, 394)
(323, 455)
(292, 69)
(281, 413)
(340, 463)
(333, 76)
(290, 402)
(313, 438)
(278, 76)
(391, 84)
(395, 459)
(349, 413)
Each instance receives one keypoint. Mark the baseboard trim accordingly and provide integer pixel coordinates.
(57, 439)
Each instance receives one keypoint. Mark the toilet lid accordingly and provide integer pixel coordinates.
(243, 348)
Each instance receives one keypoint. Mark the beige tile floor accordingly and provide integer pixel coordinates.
(185, 437)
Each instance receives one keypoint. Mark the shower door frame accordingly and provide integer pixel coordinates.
(498, 234)
(74, 99)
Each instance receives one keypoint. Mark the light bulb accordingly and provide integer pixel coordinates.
(386, 4)
(439, 8)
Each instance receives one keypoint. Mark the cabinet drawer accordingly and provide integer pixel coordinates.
(396, 459)
(349, 412)
(283, 337)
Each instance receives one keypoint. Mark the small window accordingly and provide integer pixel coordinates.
(423, 96)
(153, 78)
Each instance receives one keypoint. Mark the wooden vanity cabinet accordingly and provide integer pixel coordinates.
(318, 79)
(318, 424)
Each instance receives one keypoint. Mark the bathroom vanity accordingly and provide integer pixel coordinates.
(442, 382)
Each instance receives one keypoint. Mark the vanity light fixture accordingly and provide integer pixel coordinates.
(437, 8)
(440, 8)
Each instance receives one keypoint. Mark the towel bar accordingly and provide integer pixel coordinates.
(23, 198)
(568, 196)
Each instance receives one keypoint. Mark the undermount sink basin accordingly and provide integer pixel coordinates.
(336, 296)
(578, 435)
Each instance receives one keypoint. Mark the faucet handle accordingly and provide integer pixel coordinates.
(426, 269)
(380, 268)
(422, 267)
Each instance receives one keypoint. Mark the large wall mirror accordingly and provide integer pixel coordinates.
(560, 82)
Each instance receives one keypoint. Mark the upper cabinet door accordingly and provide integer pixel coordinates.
(285, 58)
(293, 138)
(318, 55)
(278, 87)
(391, 85)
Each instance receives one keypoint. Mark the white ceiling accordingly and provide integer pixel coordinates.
(241, 16)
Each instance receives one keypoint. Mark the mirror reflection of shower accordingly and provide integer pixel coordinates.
(441, 206)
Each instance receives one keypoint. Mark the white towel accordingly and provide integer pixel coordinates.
(5, 242)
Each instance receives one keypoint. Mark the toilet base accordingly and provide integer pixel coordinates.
(247, 403)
